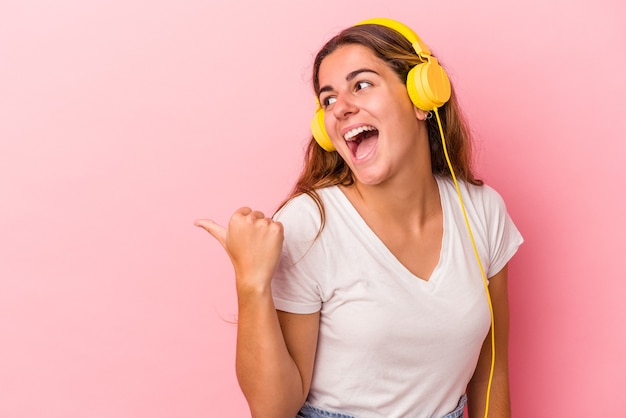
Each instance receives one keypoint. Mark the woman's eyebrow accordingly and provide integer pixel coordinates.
(350, 77)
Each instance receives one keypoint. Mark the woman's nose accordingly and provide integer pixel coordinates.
(344, 106)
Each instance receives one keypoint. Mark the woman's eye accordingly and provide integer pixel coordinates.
(362, 84)
(328, 101)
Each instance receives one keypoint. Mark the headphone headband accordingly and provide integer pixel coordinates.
(420, 47)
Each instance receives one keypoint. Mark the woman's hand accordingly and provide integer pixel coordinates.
(253, 243)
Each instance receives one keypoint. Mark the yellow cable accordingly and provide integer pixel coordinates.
(480, 264)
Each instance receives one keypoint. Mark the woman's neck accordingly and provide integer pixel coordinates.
(415, 201)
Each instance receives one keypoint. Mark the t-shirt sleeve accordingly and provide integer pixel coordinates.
(503, 237)
(296, 284)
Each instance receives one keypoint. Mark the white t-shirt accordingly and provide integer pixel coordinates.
(391, 344)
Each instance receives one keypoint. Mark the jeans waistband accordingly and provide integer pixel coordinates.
(310, 411)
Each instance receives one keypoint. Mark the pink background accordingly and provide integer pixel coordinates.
(123, 121)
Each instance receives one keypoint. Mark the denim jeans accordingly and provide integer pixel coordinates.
(309, 411)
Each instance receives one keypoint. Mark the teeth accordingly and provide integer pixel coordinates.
(351, 134)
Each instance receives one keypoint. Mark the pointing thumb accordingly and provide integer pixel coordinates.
(217, 230)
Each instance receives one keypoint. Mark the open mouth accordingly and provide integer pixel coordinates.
(361, 141)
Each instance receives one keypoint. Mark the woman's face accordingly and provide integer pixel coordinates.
(368, 115)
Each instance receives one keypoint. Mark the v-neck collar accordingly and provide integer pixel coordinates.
(387, 255)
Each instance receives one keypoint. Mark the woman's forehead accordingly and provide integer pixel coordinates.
(346, 59)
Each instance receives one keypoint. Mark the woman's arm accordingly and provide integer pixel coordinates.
(274, 371)
(500, 404)
(275, 357)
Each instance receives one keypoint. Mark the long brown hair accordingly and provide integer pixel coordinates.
(323, 169)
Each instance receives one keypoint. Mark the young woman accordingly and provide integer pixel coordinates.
(362, 296)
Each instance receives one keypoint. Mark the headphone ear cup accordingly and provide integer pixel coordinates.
(428, 86)
(319, 131)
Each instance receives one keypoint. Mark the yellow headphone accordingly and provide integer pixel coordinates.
(427, 83)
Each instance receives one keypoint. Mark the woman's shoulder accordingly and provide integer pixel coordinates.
(303, 212)
(479, 194)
